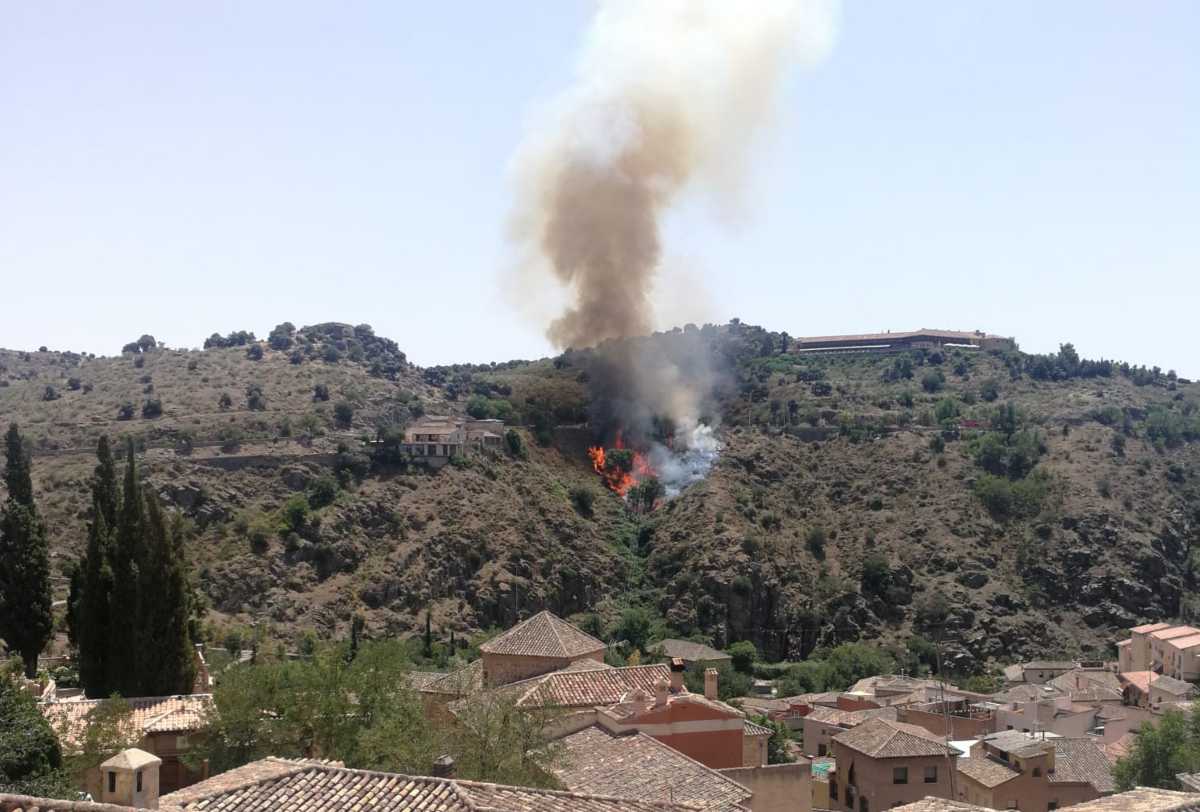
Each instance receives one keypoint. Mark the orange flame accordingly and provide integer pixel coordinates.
(616, 480)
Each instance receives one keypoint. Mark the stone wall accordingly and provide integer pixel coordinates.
(776, 787)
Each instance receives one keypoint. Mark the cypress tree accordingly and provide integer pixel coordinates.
(124, 640)
(167, 665)
(26, 623)
(93, 612)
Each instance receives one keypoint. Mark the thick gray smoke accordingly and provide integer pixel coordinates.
(669, 96)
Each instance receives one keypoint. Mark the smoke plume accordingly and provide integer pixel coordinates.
(668, 97)
(669, 94)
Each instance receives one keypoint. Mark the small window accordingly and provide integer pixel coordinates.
(931, 775)
(1037, 772)
(863, 806)
(112, 782)
(1052, 805)
(822, 750)
(833, 790)
(900, 775)
(138, 780)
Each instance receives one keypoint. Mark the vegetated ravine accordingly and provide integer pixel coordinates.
(1010, 504)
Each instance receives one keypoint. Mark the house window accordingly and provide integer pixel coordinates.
(1052, 805)
(849, 797)
(138, 780)
(112, 782)
(833, 790)
(1037, 772)
(850, 777)
(900, 775)
(863, 806)
(822, 750)
(931, 775)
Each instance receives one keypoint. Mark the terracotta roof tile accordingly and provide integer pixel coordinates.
(153, 714)
(693, 652)
(287, 786)
(753, 729)
(1172, 632)
(1146, 628)
(639, 766)
(543, 635)
(1081, 761)
(1143, 799)
(848, 719)
(932, 804)
(1173, 686)
(1138, 679)
(880, 738)
(1186, 642)
(606, 686)
(986, 771)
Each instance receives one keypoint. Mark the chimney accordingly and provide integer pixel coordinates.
(662, 690)
(130, 778)
(677, 668)
(710, 683)
(443, 766)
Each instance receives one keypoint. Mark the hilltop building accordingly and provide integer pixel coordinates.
(922, 339)
(435, 440)
(1163, 649)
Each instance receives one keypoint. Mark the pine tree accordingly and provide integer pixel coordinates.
(428, 647)
(26, 623)
(126, 554)
(167, 665)
(92, 615)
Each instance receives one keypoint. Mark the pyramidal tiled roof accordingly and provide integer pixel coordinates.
(300, 786)
(543, 635)
(881, 738)
(148, 714)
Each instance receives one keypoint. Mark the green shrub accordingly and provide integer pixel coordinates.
(152, 408)
(814, 539)
(321, 392)
(1007, 499)
(125, 411)
(294, 516)
(583, 498)
(515, 445)
(224, 402)
(255, 400)
(933, 381)
(50, 393)
(743, 654)
(322, 491)
(254, 352)
(343, 413)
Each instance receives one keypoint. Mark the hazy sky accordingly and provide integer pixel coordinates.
(1030, 168)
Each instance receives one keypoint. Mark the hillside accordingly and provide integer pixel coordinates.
(852, 498)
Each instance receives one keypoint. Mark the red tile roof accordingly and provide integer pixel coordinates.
(543, 635)
(304, 786)
(880, 738)
(638, 766)
(605, 686)
(1146, 628)
(152, 714)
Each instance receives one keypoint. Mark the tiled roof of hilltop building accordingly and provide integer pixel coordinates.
(543, 635)
(639, 766)
(302, 786)
(1173, 632)
(150, 714)
(847, 718)
(880, 738)
(1186, 642)
(1146, 628)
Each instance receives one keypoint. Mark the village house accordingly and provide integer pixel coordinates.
(1037, 672)
(923, 339)
(163, 726)
(1162, 648)
(821, 724)
(881, 764)
(435, 440)
(1012, 770)
(956, 718)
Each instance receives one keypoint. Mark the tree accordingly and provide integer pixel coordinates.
(777, 746)
(280, 337)
(152, 408)
(743, 654)
(30, 756)
(94, 612)
(495, 740)
(254, 352)
(1161, 751)
(50, 393)
(515, 445)
(26, 622)
(645, 495)
(343, 413)
(635, 627)
(124, 644)
(583, 498)
(255, 401)
(357, 624)
(224, 402)
(876, 574)
(933, 381)
(164, 607)
(320, 392)
(146, 343)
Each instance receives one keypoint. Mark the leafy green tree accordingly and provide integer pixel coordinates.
(516, 446)
(635, 626)
(295, 514)
(583, 498)
(94, 601)
(1161, 751)
(30, 757)
(731, 683)
(322, 491)
(777, 746)
(26, 622)
(494, 740)
(164, 607)
(645, 495)
(743, 654)
(876, 574)
(933, 381)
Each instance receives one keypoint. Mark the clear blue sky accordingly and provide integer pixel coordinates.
(1026, 167)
